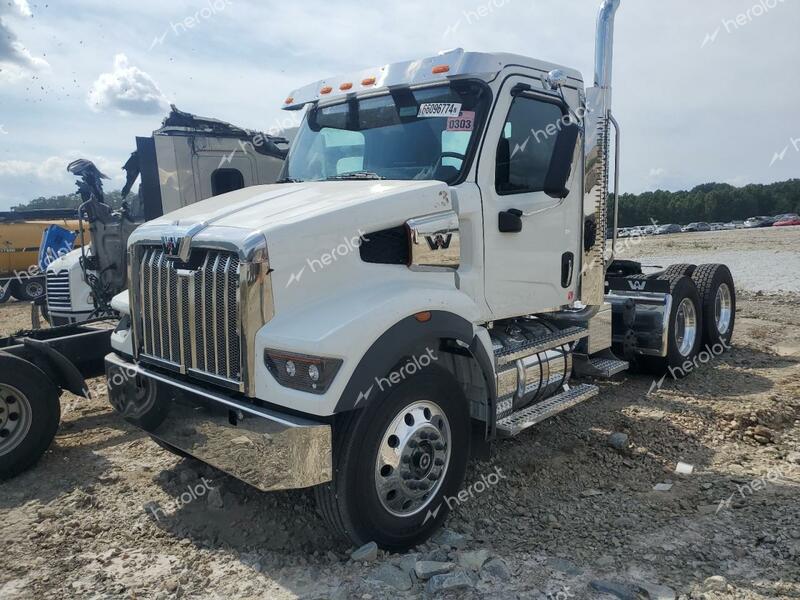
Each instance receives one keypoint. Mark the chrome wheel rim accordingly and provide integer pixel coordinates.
(34, 289)
(686, 327)
(413, 458)
(723, 308)
(16, 416)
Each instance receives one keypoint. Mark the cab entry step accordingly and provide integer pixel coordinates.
(530, 416)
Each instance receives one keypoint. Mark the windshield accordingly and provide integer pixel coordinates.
(421, 134)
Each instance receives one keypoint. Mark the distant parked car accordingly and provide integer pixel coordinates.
(649, 229)
(670, 228)
(691, 227)
(754, 222)
(787, 221)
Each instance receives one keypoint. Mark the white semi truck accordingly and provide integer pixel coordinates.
(431, 273)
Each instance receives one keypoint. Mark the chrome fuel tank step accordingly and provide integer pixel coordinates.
(510, 353)
(602, 366)
(528, 417)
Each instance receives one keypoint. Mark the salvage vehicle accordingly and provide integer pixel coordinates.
(429, 277)
(188, 159)
(787, 220)
(20, 236)
(669, 228)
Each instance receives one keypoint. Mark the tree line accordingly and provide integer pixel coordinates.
(710, 202)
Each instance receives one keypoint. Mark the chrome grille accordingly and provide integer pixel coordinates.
(190, 314)
(58, 296)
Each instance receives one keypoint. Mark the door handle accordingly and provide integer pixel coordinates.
(510, 221)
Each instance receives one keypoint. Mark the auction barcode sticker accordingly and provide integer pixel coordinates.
(439, 109)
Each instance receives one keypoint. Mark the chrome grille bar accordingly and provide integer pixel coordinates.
(190, 315)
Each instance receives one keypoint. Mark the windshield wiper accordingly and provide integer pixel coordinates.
(289, 180)
(355, 175)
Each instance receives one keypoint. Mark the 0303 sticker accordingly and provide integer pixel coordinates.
(463, 122)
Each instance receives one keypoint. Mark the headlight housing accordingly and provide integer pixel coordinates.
(312, 374)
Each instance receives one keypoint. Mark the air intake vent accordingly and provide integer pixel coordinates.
(386, 247)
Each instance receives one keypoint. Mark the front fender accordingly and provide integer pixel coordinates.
(352, 326)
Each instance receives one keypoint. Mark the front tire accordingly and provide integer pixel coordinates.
(29, 415)
(5, 294)
(396, 461)
(718, 294)
(29, 289)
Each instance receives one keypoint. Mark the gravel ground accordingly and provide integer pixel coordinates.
(108, 514)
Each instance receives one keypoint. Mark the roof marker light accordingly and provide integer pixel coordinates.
(326, 90)
(368, 81)
(438, 69)
(289, 100)
(346, 86)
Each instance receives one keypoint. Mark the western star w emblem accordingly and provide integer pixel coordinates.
(439, 241)
(637, 285)
(172, 245)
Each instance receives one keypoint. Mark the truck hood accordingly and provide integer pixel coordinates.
(266, 208)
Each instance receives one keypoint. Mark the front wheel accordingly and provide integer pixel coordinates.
(28, 290)
(398, 461)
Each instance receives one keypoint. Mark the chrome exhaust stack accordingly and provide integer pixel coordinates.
(598, 122)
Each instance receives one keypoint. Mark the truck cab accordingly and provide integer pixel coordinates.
(429, 274)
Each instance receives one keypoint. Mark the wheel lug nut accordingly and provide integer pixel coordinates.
(438, 462)
(439, 445)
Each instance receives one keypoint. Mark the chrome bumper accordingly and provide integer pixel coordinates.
(269, 450)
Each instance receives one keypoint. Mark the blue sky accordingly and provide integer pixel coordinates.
(705, 91)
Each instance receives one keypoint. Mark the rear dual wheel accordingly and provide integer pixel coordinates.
(29, 415)
(718, 294)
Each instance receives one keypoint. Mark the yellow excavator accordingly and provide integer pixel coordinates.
(21, 275)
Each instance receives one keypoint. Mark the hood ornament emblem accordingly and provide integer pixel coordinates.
(177, 246)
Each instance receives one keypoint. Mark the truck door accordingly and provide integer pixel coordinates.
(533, 269)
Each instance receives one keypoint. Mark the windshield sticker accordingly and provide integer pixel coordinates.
(439, 109)
(463, 122)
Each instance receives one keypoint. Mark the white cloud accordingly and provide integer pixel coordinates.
(54, 169)
(15, 58)
(126, 89)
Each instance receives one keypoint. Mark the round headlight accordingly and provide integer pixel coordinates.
(313, 372)
(291, 369)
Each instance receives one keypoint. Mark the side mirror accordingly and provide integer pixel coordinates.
(555, 182)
